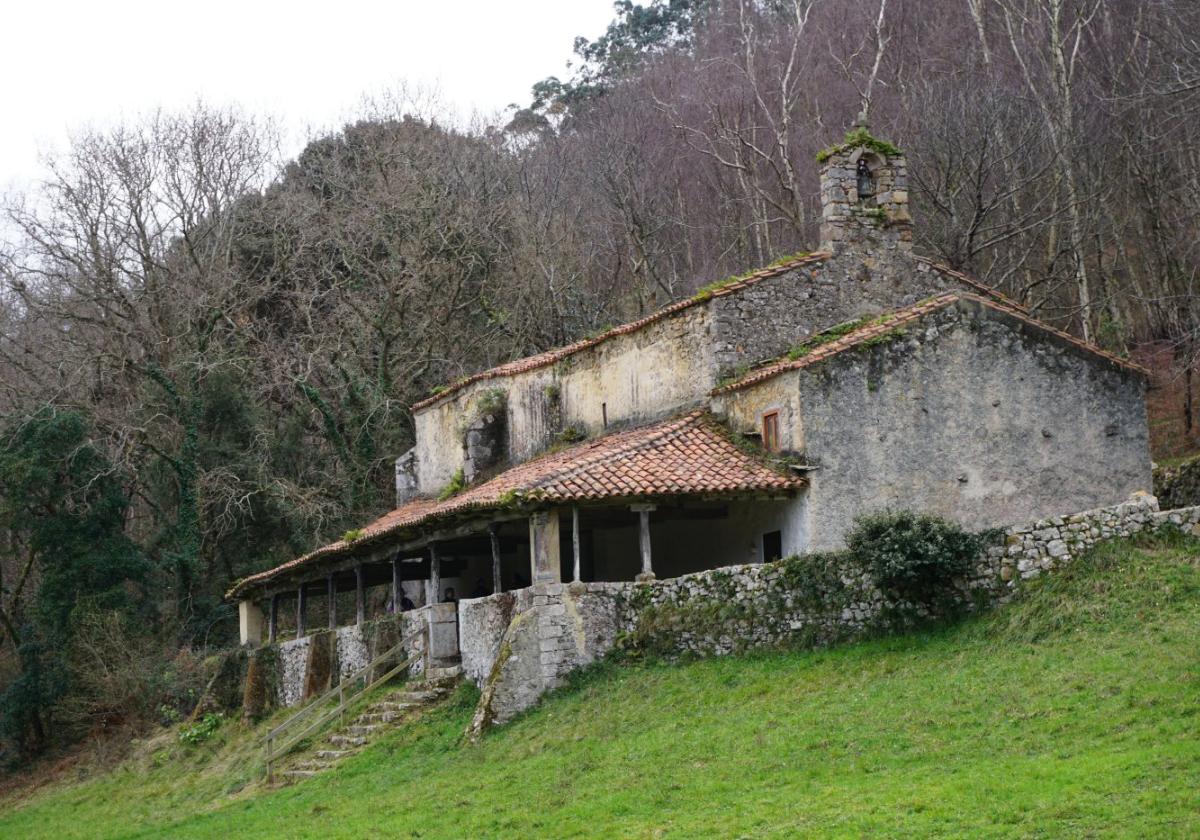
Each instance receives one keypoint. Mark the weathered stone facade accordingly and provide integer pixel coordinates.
(664, 366)
(554, 629)
(968, 413)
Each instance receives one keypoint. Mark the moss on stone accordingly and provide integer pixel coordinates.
(262, 683)
(856, 138)
(457, 483)
(318, 673)
(826, 337)
(707, 291)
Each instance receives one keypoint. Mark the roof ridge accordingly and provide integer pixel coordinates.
(877, 326)
(970, 281)
(907, 315)
(548, 357)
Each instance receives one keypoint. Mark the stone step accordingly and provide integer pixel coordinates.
(414, 698)
(347, 740)
(311, 764)
(445, 672)
(380, 717)
(390, 706)
(364, 729)
(333, 755)
(299, 774)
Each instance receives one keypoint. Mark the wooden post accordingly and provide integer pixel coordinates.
(435, 574)
(497, 583)
(360, 595)
(575, 538)
(397, 589)
(331, 585)
(273, 619)
(643, 512)
(300, 612)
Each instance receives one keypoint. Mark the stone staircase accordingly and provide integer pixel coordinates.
(392, 710)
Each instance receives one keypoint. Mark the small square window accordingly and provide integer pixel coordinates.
(772, 546)
(770, 431)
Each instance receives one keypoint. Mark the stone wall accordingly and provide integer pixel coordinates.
(1030, 550)
(798, 602)
(293, 670)
(351, 647)
(971, 414)
(555, 628)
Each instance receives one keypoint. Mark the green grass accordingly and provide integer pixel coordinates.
(1069, 713)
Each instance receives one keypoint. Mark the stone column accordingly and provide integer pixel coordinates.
(250, 623)
(544, 555)
(300, 596)
(497, 582)
(273, 619)
(360, 595)
(643, 512)
(575, 540)
(435, 575)
(331, 587)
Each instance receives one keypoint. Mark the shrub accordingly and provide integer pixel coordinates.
(201, 731)
(913, 556)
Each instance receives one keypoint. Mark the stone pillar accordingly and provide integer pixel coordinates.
(397, 587)
(250, 623)
(643, 512)
(273, 619)
(331, 587)
(300, 597)
(497, 581)
(435, 575)
(544, 555)
(575, 540)
(360, 595)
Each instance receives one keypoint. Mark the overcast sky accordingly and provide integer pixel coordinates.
(68, 65)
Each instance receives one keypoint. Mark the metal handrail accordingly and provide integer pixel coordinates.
(276, 751)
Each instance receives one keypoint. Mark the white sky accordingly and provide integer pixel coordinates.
(68, 65)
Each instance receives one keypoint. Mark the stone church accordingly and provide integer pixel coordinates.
(752, 421)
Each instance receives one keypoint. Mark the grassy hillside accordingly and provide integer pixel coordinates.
(1072, 712)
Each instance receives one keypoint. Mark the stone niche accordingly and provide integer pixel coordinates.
(485, 438)
(406, 477)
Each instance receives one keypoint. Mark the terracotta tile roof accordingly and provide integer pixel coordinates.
(551, 356)
(895, 320)
(686, 456)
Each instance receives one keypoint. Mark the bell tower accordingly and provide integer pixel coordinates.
(864, 195)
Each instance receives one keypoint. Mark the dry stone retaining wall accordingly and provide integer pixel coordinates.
(353, 647)
(518, 645)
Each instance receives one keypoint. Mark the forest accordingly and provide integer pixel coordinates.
(208, 350)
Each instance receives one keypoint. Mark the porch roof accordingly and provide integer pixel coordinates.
(691, 455)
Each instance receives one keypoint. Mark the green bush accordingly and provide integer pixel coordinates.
(202, 730)
(913, 556)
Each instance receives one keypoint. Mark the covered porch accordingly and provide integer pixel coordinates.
(659, 501)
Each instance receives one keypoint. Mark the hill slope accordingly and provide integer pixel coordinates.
(1071, 712)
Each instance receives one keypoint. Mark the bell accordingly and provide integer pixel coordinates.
(866, 183)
